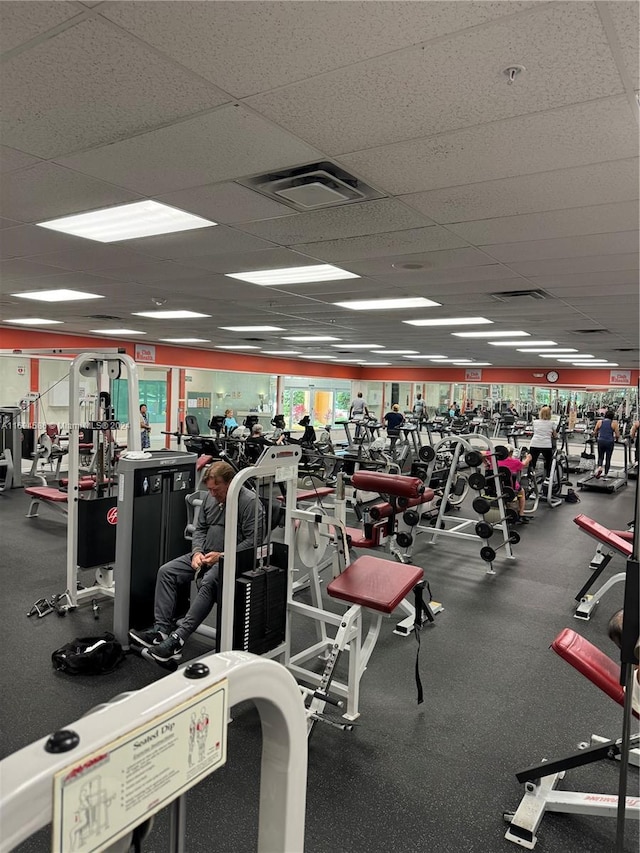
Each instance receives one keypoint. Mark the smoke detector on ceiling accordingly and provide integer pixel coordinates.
(313, 186)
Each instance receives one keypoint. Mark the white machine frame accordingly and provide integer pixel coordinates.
(26, 777)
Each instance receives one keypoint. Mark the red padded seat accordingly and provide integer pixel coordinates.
(591, 662)
(85, 484)
(202, 461)
(627, 535)
(311, 494)
(47, 493)
(603, 534)
(398, 485)
(375, 583)
(384, 510)
(359, 540)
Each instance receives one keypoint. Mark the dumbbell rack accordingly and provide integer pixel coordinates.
(461, 447)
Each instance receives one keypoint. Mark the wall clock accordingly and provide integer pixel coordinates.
(552, 376)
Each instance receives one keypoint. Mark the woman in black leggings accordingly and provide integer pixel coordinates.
(542, 440)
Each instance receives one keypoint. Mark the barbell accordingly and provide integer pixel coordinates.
(488, 554)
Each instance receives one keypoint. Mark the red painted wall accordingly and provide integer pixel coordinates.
(577, 377)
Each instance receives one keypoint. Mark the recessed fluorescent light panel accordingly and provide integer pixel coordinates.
(451, 321)
(387, 304)
(453, 360)
(281, 351)
(57, 295)
(320, 357)
(554, 354)
(351, 360)
(34, 321)
(169, 315)
(478, 363)
(252, 328)
(518, 343)
(491, 334)
(236, 346)
(430, 357)
(594, 363)
(575, 357)
(357, 346)
(127, 221)
(544, 349)
(186, 340)
(115, 332)
(375, 363)
(293, 275)
(589, 361)
(397, 352)
(311, 339)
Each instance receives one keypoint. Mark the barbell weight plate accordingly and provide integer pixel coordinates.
(511, 515)
(514, 537)
(473, 458)
(426, 453)
(402, 502)
(484, 530)
(487, 554)
(481, 505)
(411, 517)
(505, 475)
(501, 452)
(477, 481)
(404, 540)
(508, 494)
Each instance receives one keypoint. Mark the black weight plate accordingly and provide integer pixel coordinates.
(484, 530)
(404, 540)
(402, 502)
(481, 505)
(501, 452)
(426, 453)
(473, 458)
(508, 494)
(411, 517)
(511, 515)
(477, 481)
(505, 475)
(514, 537)
(487, 554)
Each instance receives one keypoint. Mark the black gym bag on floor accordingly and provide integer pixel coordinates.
(88, 655)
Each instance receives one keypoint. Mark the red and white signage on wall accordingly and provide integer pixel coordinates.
(21, 370)
(112, 515)
(620, 377)
(472, 375)
(145, 352)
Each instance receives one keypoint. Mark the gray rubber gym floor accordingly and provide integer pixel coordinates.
(434, 777)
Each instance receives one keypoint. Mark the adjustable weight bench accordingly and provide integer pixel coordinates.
(540, 780)
(617, 542)
(53, 498)
(368, 584)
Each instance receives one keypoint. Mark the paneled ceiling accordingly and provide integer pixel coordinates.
(480, 185)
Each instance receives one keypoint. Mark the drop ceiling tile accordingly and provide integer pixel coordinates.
(625, 17)
(107, 86)
(26, 240)
(227, 203)
(597, 219)
(201, 241)
(393, 97)
(150, 272)
(446, 259)
(576, 265)
(225, 43)
(571, 136)
(586, 279)
(229, 262)
(21, 22)
(349, 220)
(378, 245)
(8, 223)
(599, 183)
(47, 191)
(568, 247)
(225, 144)
(12, 159)
(26, 275)
(91, 256)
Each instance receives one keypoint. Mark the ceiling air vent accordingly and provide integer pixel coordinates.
(520, 295)
(310, 187)
(626, 349)
(590, 332)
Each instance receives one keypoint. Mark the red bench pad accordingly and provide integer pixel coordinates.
(591, 662)
(375, 583)
(384, 510)
(603, 534)
(47, 493)
(398, 485)
(202, 461)
(358, 539)
(311, 494)
(627, 535)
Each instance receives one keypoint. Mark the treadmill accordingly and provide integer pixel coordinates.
(616, 479)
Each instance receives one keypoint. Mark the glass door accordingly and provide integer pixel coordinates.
(317, 403)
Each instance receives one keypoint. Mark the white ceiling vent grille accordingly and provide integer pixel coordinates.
(311, 187)
(520, 295)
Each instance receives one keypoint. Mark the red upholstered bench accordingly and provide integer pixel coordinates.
(603, 534)
(303, 496)
(384, 509)
(85, 484)
(627, 535)
(359, 540)
(48, 495)
(591, 662)
(375, 583)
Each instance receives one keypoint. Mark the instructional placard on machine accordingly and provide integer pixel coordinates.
(108, 793)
